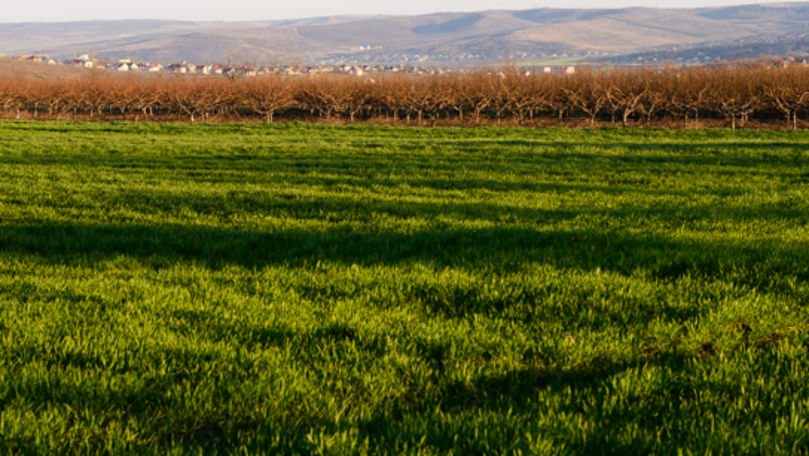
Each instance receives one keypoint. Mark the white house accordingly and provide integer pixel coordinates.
(126, 66)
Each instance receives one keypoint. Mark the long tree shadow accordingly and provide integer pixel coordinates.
(408, 416)
(660, 257)
(514, 393)
(349, 207)
(491, 248)
(473, 154)
(494, 390)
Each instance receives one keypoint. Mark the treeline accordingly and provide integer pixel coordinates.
(736, 93)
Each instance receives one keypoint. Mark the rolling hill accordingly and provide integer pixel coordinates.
(443, 38)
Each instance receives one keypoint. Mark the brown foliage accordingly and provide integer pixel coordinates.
(736, 93)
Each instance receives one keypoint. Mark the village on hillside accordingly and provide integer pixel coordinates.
(238, 71)
(130, 65)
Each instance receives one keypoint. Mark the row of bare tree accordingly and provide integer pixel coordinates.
(735, 92)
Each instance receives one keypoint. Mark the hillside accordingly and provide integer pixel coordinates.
(14, 69)
(457, 38)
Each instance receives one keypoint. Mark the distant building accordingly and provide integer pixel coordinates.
(86, 61)
(38, 58)
(126, 65)
(178, 67)
(82, 61)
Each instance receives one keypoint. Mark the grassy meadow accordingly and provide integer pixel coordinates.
(310, 289)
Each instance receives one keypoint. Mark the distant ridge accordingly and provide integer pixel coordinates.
(531, 36)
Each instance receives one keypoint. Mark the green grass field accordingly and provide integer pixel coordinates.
(168, 288)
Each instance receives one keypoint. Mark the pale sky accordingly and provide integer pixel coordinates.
(229, 10)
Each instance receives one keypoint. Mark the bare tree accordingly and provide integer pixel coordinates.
(265, 95)
(587, 94)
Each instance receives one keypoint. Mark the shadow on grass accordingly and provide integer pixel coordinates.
(412, 416)
(492, 249)
(420, 413)
(514, 393)
(337, 207)
(355, 158)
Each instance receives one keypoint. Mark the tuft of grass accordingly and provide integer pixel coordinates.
(293, 288)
